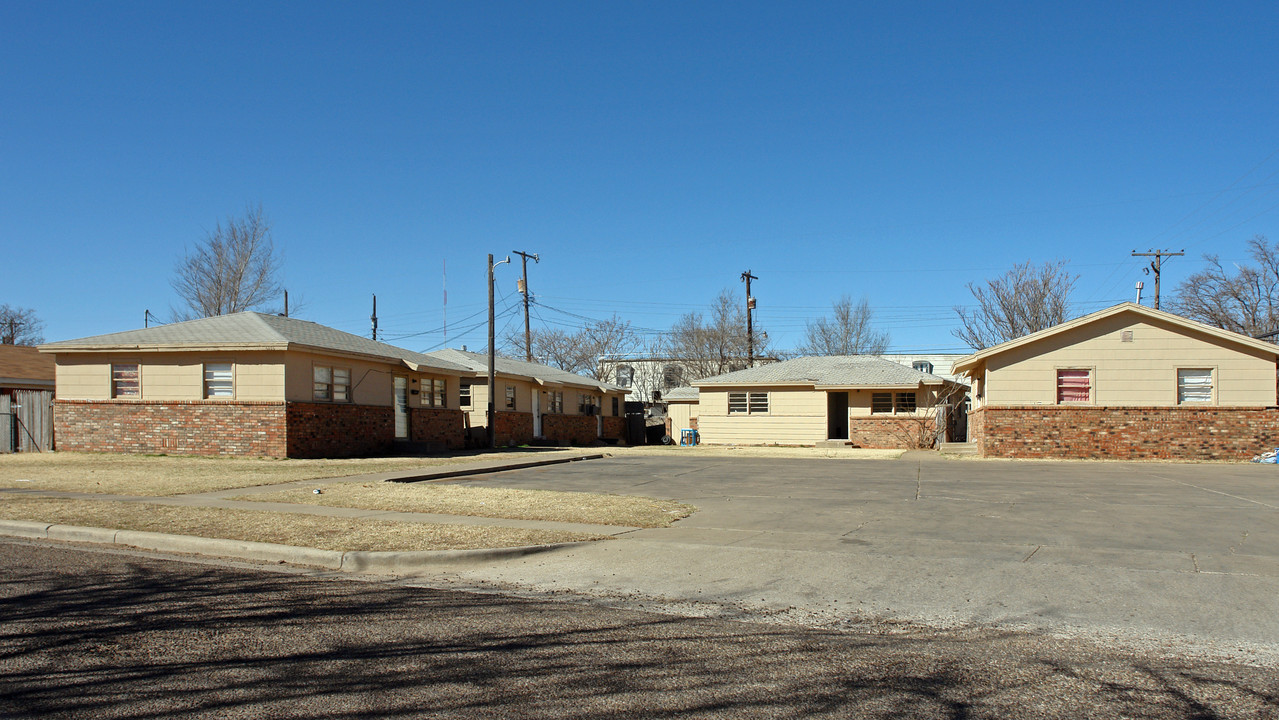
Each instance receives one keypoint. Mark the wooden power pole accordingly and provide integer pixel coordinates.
(1157, 265)
(750, 329)
(528, 336)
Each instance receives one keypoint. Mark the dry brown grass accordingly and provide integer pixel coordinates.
(325, 533)
(758, 451)
(572, 507)
(178, 475)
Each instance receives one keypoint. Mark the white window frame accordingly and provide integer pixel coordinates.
(557, 402)
(328, 390)
(465, 399)
(434, 393)
(745, 402)
(229, 382)
(1212, 385)
(1092, 385)
(509, 403)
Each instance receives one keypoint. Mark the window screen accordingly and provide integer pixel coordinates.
(125, 381)
(881, 402)
(1074, 386)
(1194, 385)
(218, 380)
(736, 403)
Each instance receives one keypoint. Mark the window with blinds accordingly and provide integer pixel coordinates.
(1194, 385)
(1074, 386)
(218, 381)
(125, 381)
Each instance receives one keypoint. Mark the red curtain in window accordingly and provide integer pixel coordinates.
(1073, 385)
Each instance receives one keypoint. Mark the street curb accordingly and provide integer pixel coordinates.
(353, 561)
(463, 472)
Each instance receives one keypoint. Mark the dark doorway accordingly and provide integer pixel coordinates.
(837, 416)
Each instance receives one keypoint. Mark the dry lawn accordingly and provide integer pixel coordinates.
(325, 533)
(178, 475)
(758, 451)
(572, 507)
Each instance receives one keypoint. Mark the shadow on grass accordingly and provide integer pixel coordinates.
(105, 636)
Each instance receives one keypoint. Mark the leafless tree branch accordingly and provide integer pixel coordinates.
(236, 268)
(1023, 300)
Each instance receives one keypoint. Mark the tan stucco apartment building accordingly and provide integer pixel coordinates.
(857, 400)
(1125, 382)
(537, 402)
(250, 384)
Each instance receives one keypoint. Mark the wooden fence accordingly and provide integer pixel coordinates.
(26, 421)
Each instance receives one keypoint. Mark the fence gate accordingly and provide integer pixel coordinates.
(8, 424)
(28, 415)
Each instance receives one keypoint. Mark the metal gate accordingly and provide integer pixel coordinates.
(26, 421)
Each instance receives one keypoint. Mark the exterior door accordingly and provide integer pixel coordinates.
(537, 413)
(837, 416)
(401, 408)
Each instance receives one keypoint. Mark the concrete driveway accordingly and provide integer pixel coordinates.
(1178, 555)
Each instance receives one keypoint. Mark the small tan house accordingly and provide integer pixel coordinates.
(681, 410)
(538, 402)
(251, 384)
(856, 400)
(1125, 382)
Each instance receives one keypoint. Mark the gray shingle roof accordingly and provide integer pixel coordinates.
(479, 362)
(252, 329)
(831, 370)
(681, 393)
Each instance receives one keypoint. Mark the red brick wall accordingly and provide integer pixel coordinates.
(569, 429)
(512, 428)
(339, 430)
(197, 427)
(890, 432)
(439, 426)
(977, 430)
(1191, 433)
(615, 427)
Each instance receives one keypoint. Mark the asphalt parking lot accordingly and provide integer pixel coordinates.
(1172, 555)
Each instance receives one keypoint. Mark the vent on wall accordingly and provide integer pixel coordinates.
(1125, 336)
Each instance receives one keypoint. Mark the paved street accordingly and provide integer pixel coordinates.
(88, 633)
(1185, 555)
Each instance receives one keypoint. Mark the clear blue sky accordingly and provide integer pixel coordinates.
(649, 152)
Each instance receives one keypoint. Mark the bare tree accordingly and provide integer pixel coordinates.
(1245, 302)
(847, 331)
(577, 352)
(20, 326)
(1023, 300)
(236, 268)
(717, 345)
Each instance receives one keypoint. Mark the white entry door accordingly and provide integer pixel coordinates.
(401, 408)
(537, 413)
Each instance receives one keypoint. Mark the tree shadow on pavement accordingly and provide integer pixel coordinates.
(108, 636)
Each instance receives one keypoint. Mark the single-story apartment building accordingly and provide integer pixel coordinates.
(855, 400)
(1125, 382)
(538, 402)
(251, 384)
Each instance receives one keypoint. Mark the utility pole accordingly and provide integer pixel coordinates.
(750, 329)
(528, 336)
(492, 407)
(373, 317)
(1157, 265)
